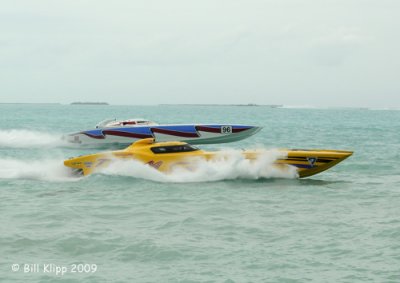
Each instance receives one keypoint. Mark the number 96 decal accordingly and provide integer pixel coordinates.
(226, 129)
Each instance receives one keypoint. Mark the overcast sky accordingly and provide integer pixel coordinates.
(292, 52)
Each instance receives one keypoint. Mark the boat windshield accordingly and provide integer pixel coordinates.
(105, 122)
(110, 123)
(173, 148)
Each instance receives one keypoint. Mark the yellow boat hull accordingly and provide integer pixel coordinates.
(167, 156)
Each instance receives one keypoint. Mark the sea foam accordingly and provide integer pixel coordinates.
(43, 170)
(228, 165)
(19, 138)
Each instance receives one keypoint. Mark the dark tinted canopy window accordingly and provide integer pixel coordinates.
(173, 148)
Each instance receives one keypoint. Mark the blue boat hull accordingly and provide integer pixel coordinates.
(194, 134)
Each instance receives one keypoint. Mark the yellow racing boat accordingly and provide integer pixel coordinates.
(166, 156)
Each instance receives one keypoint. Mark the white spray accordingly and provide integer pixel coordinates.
(18, 138)
(44, 170)
(227, 165)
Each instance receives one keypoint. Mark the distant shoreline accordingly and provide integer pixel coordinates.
(89, 103)
(55, 103)
(250, 104)
(272, 106)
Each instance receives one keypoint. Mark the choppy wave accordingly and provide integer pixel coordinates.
(44, 170)
(228, 165)
(19, 138)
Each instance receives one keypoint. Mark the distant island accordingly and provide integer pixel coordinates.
(89, 103)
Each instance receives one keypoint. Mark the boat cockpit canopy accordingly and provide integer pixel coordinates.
(173, 149)
(109, 123)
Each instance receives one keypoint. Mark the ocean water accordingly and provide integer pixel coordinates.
(224, 224)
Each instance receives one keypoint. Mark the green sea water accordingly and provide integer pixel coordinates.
(342, 225)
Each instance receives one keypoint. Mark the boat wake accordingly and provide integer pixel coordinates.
(18, 138)
(42, 170)
(229, 165)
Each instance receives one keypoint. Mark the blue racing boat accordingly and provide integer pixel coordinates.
(127, 131)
